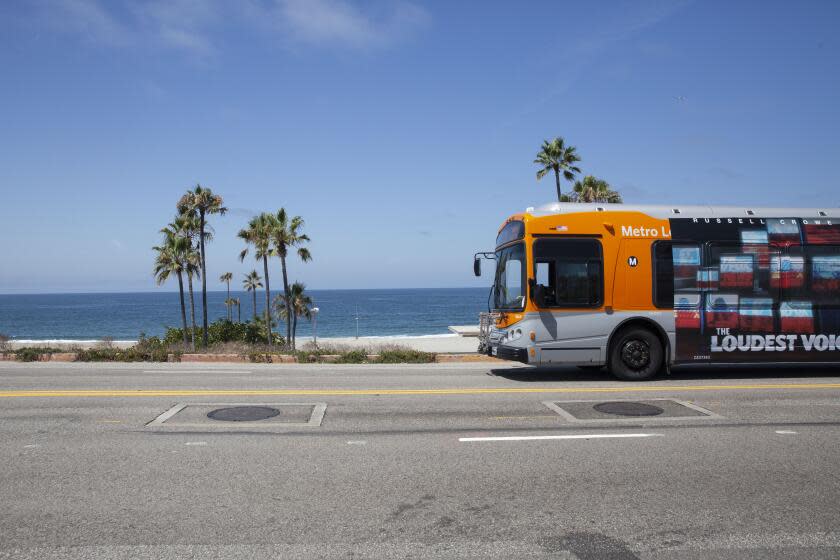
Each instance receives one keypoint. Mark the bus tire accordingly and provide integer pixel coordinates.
(636, 354)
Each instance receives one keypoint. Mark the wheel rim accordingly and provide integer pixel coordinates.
(635, 354)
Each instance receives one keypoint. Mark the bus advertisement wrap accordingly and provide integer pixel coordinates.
(763, 287)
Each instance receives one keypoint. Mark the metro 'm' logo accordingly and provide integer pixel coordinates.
(630, 231)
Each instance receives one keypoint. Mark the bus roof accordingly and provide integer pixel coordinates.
(679, 211)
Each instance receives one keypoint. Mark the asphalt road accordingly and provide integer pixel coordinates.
(432, 461)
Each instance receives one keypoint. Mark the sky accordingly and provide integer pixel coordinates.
(402, 132)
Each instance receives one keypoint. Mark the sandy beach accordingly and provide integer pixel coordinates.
(444, 343)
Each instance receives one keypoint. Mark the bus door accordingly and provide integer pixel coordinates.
(568, 275)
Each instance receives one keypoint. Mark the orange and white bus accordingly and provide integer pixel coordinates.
(637, 289)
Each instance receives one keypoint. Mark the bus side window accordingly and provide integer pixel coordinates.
(546, 278)
(822, 272)
(663, 275)
(677, 270)
(570, 270)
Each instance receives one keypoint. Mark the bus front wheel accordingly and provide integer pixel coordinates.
(636, 355)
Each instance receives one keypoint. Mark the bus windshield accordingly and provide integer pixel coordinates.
(510, 277)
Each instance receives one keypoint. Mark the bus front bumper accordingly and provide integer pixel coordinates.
(509, 353)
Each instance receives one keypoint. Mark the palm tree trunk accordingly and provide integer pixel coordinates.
(192, 309)
(230, 311)
(286, 299)
(183, 307)
(204, 334)
(294, 332)
(239, 311)
(557, 181)
(254, 294)
(267, 302)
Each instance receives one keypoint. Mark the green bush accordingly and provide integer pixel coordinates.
(345, 356)
(33, 354)
(352, 357)
(147, 349)
(222, 331)
(404, 356)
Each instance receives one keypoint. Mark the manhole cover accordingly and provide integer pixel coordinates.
(243, 413)
(622, 408)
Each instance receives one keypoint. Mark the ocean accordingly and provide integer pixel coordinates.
(123, 316)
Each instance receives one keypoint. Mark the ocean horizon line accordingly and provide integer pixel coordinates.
(222, 291)
(70, 341)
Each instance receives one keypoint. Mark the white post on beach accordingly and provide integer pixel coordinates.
(314, 312)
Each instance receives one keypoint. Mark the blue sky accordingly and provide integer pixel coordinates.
(403, 132)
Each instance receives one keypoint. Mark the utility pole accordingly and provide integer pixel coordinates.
(357, 321)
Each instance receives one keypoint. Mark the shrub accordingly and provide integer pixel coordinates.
(352, 357)
(147, 349)
(222, 331)
(399, 355)
(5, 344)
(33, 354)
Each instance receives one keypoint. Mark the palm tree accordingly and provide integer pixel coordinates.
(592, 189)
(186, 227)
(556, 156)
(285, 236)
(227, 277)
(251, 282)
(202, 202)
(300, 305)
(229, 303)
(258, 234)
(170, 260)
(238, 303)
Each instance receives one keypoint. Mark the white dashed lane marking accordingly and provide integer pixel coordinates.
(538, 438)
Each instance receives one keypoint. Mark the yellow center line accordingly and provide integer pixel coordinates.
(379, 392)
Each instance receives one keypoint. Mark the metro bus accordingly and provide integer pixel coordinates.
(637, 289)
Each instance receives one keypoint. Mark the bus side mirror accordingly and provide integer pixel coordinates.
(477, 266)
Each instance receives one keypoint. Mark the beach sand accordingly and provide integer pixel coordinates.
(442, 344)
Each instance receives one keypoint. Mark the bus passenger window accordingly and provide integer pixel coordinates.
(677, 271)
(576, 284)
(546, 278)
(542, 273)
(569, 270)
(663, 274)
